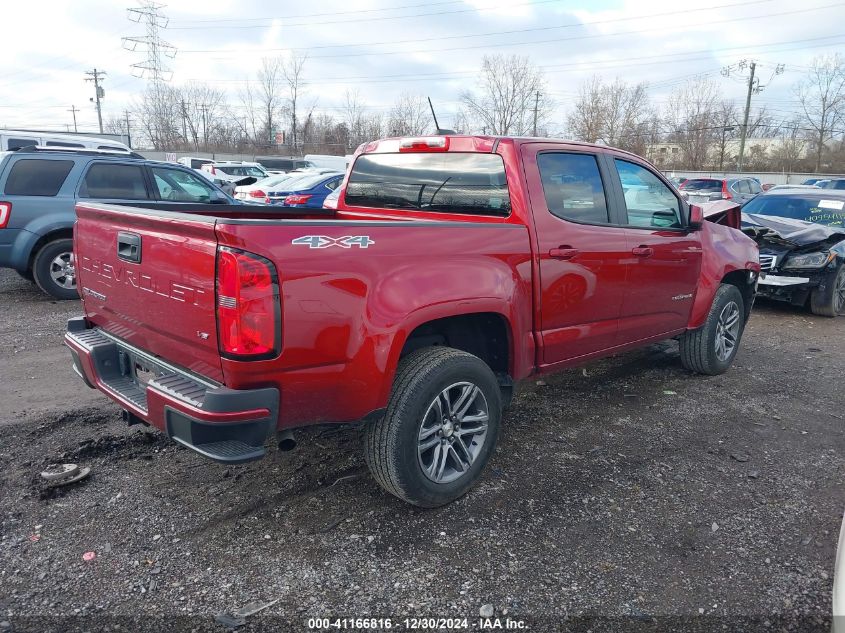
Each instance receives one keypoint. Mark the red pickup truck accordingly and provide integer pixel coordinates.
(453, 267)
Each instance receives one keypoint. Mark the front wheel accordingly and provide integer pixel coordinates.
(54, 270)
(439, 429)
(829, 300)
(711, 348)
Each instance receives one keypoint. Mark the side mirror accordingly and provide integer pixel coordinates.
(696, 218)
(218, 197)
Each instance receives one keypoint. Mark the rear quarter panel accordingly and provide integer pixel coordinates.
(347, 312)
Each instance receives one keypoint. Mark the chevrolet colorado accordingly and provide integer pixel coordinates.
(452, 267)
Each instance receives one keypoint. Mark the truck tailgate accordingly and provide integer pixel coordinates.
(148, 279)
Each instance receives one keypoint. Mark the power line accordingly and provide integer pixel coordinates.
(377, 19)
(494, 33)
(320, 15)
(552, 68)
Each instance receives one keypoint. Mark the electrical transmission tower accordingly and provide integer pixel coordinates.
(153, 68)
(754, 87)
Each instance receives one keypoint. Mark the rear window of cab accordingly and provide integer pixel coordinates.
(447, 182)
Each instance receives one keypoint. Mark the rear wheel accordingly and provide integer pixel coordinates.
(829, 300)
(439, 429)
(53, 269)
(711, 348)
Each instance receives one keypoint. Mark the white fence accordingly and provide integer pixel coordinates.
(775, 178)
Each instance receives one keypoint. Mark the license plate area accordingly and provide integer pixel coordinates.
(137, 369)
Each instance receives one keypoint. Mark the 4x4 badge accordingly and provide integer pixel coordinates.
(323, 241)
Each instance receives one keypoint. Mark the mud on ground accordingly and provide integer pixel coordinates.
(631, 489)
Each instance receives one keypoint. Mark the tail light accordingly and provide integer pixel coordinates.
(5, 213)
(424, 144)
(726, 195)
(248, 312)
(257, 193)
(298, 198)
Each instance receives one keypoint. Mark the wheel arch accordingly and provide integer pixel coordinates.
(42, 241)
(487, 334)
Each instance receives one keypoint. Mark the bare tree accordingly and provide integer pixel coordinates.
(202, 108)
(292, 71)
(692, 120)
(586, 121)
(409, 115)
(270, 76)
(511, 96)
(822, 99)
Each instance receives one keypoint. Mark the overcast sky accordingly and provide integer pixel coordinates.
(385, 47)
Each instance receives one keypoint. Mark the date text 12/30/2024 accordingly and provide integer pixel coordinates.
(414, 624)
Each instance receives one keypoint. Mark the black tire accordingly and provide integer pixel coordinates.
(699, 347)
(44, 266)
(828, 300)
(392, 444)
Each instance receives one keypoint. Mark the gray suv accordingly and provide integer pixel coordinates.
(39, 188)
(701, 190)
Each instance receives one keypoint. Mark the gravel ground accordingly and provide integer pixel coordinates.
(630, 491)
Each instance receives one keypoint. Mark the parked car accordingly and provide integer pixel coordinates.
(257, 191)
(779, 187)
(333, 199)
(453, 267)
(305, 179)
(678, 180)
(11, 140)
(41, 187)
(308, 192)
(801, 234)
(242, 169)
(282, 165)
(821, 183)
(193, 162)
(703, 190)
(767, 185)
(811, 181)
(832, 183)
(327, 161)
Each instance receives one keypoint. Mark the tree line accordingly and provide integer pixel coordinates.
(695, 128)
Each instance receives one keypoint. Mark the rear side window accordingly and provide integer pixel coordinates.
(573, 187)
(444, 182)
(649, 201)
(37, 177)
(114, 181)
(742, 186)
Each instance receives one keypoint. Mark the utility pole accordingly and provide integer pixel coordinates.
(184, 124)
(128, 133)
(754, 87)
(204, 109)
(744, 133)
(74, 110)
(536, 107)
(95, 76)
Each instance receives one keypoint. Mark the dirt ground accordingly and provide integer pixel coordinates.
(630, 494)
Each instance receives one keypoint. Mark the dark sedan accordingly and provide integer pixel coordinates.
(801, 235)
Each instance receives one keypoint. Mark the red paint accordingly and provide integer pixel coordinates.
(567, 292)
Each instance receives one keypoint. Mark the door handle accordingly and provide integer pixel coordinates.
(643, 251)
(563, 252)
(129, 247)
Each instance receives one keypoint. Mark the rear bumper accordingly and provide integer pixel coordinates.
(226, 425)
